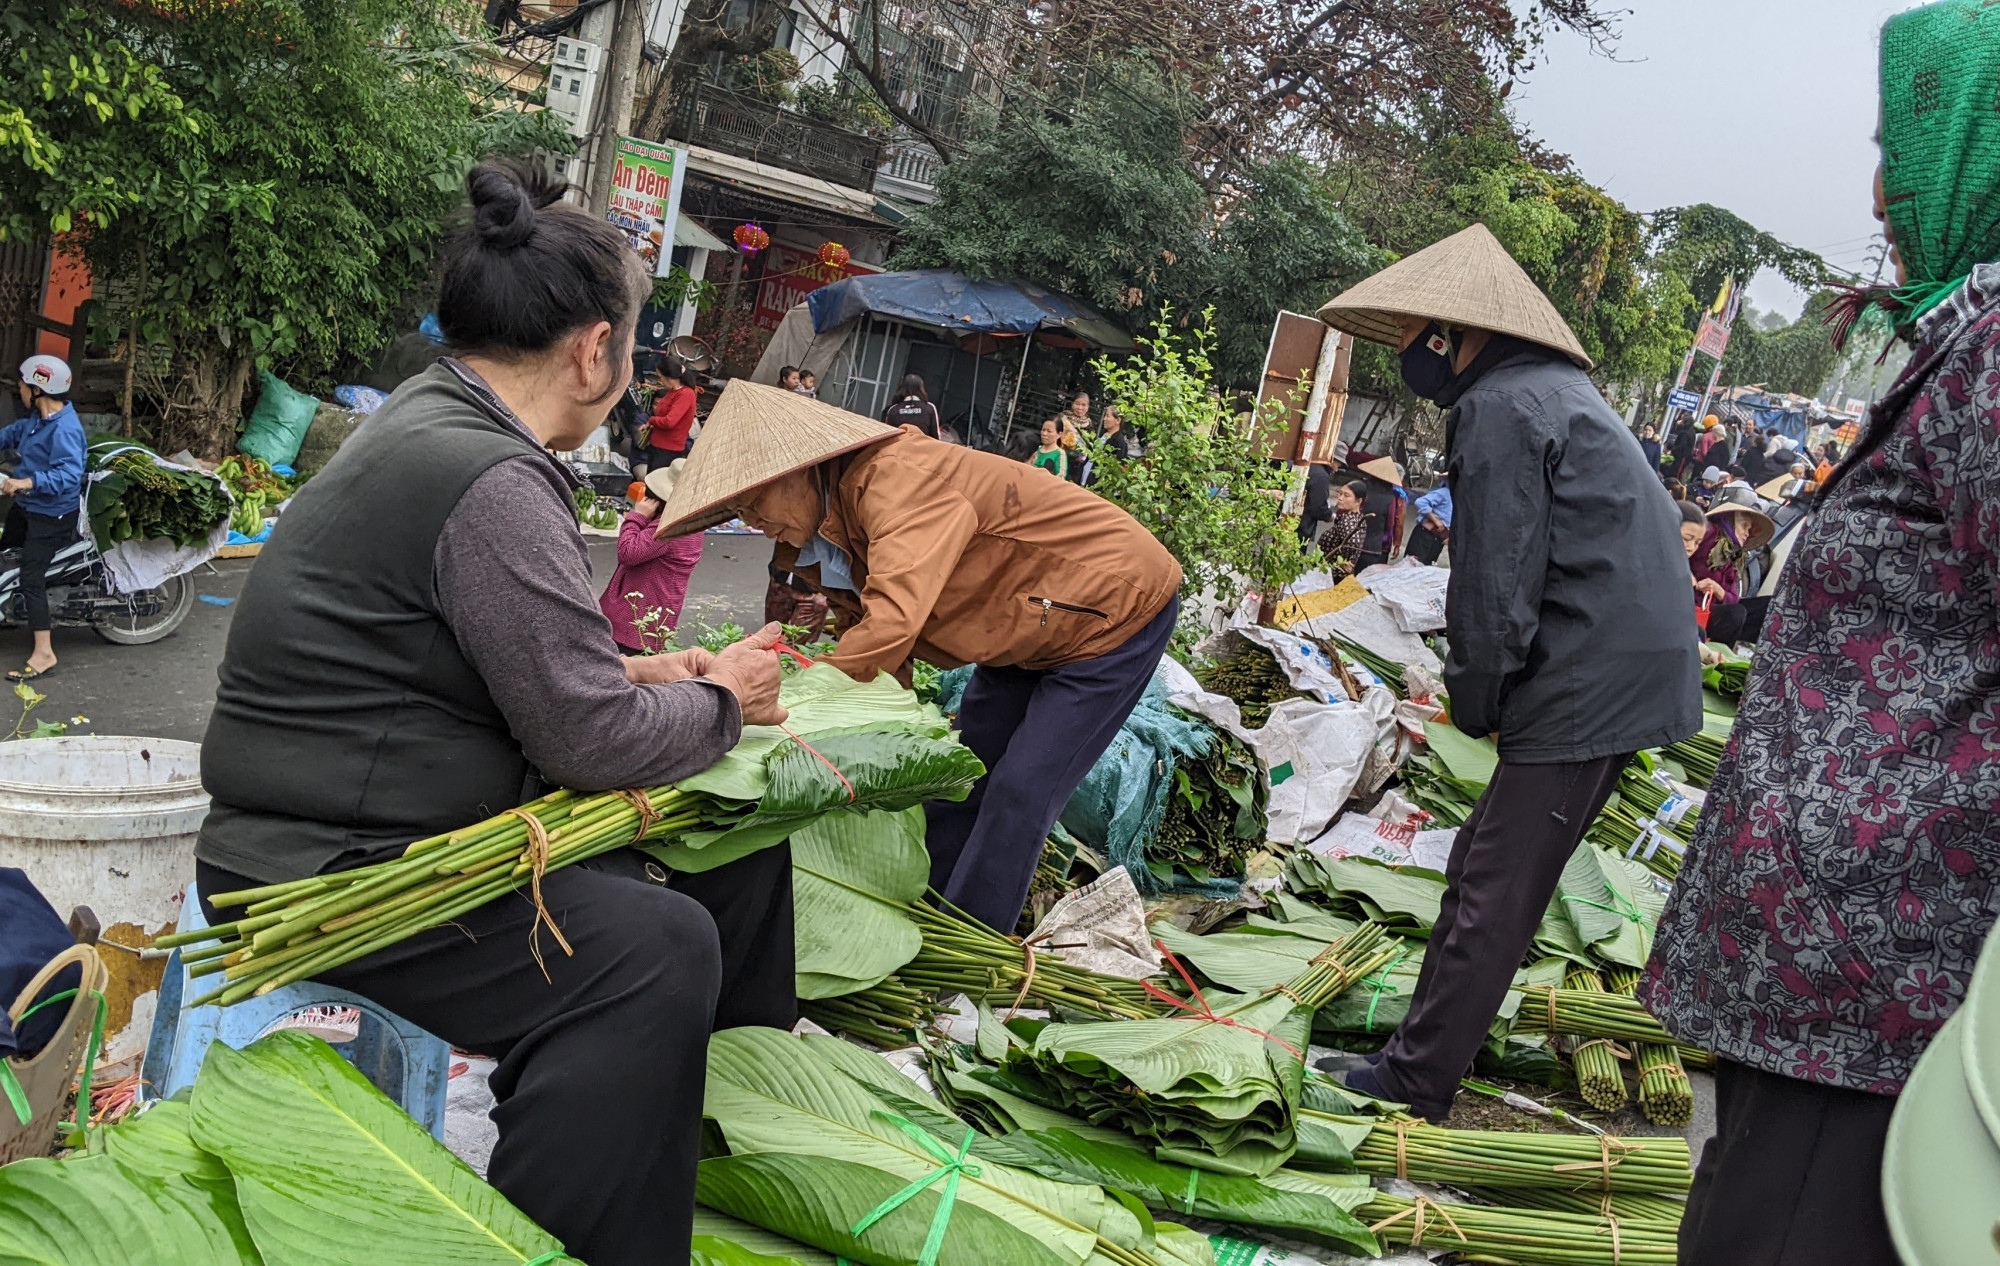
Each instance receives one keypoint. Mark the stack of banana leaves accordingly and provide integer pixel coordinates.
(133, 496)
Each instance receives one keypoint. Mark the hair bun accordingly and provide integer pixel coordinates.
(503, 205)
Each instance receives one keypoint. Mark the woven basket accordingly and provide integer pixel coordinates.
(48, 1077)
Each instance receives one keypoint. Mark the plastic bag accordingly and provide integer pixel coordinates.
(278, 424)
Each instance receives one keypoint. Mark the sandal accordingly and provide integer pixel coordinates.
(28, 672)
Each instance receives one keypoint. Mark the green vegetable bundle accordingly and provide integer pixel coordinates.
(1582, 1013)
(1647, 820)
(1626, 1206)
(1664, 1093)
(285, 1154)
(1498, 1159)
(1215, 816)
(885, 1014)
(1383, 667)
(1528, 1237)
(1599, 1079)
(1698, 755)
(1217, 1084)
(962, 955)
(137, 499)
(1253, 677)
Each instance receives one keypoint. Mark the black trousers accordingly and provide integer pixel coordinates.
(1793, 1176)
(1737, 621)
(38, 537)
(601, 1066)
(1503, 870)
(1425, 546)
(1038, 732)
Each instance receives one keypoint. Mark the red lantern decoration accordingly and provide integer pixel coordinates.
(833, 255)
(751, 238)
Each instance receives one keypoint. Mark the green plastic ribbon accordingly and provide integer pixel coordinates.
(950, 1169)
(1194, 1180)
(49, 1001)
(1379, 985)
(16, 1097)
(553, 1255)
(89, 1066)
(1622, 908)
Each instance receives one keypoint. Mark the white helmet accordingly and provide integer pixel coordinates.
(46, 373)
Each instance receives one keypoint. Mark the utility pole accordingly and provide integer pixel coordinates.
(614, 99)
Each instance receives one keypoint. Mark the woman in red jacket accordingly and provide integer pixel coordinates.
(673, 417)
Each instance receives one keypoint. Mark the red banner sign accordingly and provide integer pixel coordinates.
(790, 274)
(1713, 338)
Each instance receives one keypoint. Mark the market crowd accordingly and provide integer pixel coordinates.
(423, 644)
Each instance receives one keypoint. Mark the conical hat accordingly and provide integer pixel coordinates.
(754, 435)
(1383, 469)
(1467, 279)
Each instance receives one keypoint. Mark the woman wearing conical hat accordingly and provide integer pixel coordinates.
(945, 553)
(1567, 617)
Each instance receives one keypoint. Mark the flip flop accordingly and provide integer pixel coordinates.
(30, 673)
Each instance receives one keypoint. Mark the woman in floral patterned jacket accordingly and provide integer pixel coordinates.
(1847, 866)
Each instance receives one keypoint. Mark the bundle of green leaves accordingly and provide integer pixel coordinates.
(1215, 816)
(827, 1145)
(1251, 676)
(280, 1142)
(1215, 1085)
(138, 499)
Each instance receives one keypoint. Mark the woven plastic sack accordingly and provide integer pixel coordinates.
(279, 422)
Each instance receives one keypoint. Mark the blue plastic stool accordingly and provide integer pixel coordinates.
(403, 1061)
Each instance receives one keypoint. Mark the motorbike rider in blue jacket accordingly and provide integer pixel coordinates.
(47, 488)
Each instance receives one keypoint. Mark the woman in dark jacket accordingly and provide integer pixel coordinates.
(1847, 865)
(1567, 619)
(913, 407)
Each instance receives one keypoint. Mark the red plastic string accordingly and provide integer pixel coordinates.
(851, 797)
(801, 660)
(1203, 1011)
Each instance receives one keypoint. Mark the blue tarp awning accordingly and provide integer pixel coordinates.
(952, 301)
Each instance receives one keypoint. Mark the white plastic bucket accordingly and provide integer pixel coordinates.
(108, 822)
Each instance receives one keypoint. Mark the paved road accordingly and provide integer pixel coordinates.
(165, 690)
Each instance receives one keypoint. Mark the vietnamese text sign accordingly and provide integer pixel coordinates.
(646, 197)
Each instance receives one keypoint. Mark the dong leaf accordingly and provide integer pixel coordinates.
(329, 1170)
(1322, 1215)
(872, 769)
(706, 1250)
(853, 878)
(812, 1151)
(1469, 761)
(151, 1196)
(822, 700)
(713, 1227)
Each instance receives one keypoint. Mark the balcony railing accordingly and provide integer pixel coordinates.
(907, 158)
(735, 124)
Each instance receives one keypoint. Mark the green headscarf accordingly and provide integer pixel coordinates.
(1941, 146)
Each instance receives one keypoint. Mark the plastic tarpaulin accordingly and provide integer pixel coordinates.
(952, 301)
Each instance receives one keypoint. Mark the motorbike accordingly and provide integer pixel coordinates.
(80, 597)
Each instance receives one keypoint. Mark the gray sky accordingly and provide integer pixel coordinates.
(1766, 107)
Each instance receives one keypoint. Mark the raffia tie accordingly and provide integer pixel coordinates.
(537, 857)
(642, 804)
(1027, 974)
(1605, 1161)
(1402, 1150)
(1550, 996)
(1417, 1228)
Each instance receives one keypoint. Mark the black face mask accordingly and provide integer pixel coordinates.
(1427, 362)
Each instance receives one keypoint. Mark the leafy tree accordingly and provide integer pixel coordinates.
(275, 176)
(1706, 244)
(1798, 357)
(1111, 210)
(1201, 488)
